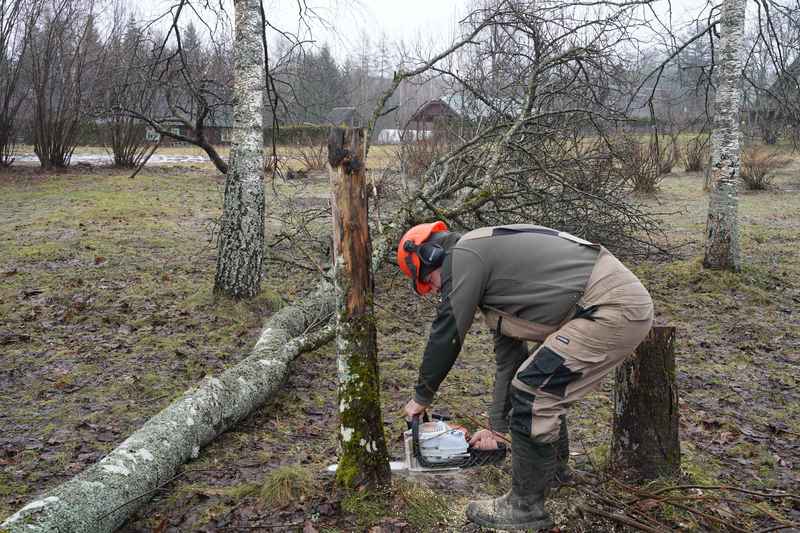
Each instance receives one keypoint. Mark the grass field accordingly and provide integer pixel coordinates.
(107, 315)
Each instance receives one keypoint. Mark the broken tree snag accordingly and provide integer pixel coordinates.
(645, 439)
(364, 459)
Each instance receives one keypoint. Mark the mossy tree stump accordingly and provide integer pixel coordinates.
(364, 459)
(645, 440)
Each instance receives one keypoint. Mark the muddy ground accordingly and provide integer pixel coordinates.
(106, 315)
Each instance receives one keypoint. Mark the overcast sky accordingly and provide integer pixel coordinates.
(342, 24)
(426, 21)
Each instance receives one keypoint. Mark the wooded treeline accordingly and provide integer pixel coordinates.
(74, 71)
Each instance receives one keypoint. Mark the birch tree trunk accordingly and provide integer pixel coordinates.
(645, 440)
(103, 496)
(722, 227)
(240, 251)
(364, 459)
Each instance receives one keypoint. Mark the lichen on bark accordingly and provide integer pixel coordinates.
(240, 250)
(722, 226)
(364, 459)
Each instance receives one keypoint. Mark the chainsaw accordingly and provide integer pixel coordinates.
(436, 446)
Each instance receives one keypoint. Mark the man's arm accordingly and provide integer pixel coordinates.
(463, 283)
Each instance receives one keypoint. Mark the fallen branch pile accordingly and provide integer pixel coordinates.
(709, 507)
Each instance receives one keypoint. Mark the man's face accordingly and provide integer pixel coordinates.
(435, 279)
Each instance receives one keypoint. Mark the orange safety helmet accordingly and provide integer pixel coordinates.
(408, 258)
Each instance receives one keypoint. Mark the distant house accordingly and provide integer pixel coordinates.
(344, 116)
(430, 115)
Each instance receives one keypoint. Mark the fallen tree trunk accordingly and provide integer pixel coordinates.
(102, 497)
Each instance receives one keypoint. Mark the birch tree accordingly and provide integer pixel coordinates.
(240, 251)
(722, 228)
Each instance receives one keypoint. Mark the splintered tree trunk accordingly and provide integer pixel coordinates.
(364, 458)
(240, 251)
(645, 437)
(722, 228)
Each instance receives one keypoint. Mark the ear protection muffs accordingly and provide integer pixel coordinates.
(431, 255)
(420, 251)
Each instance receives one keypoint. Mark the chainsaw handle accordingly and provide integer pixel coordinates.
(414, 425)
(425, 418)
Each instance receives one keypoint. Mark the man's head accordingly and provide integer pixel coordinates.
(420, 253)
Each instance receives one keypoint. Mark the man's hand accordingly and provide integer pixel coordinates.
(486, 439)
(413, 408)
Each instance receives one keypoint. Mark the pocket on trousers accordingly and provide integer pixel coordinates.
(638, 312)
(541, 368)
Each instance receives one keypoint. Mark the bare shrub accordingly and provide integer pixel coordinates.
(313, 157)
(695, 153)
(758, 165)
(64, 59)
(639, 164)
(311, 153)
(128, 140)
(7, 142)
(416, 156)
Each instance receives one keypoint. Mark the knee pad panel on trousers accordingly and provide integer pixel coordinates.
(521, 411)
(548, 372)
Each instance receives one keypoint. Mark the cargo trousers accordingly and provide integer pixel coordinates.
(616, 315)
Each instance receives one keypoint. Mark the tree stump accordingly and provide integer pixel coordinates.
(364, 459)
(645, 440)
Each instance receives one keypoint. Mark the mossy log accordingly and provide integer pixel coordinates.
(645, 440)
(102, 497)
(364, 459)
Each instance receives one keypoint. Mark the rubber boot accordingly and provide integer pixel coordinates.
(563, 474)
(533, 467)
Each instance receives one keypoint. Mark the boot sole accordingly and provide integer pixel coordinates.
(543, 523)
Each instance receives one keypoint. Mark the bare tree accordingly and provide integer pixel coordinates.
(722, 227)
(64, 50)
(182, 81)
(542, 89)
(121, 86)
(17, 22)
(240, 252)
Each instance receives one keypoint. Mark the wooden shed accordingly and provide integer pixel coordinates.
(430, 114)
